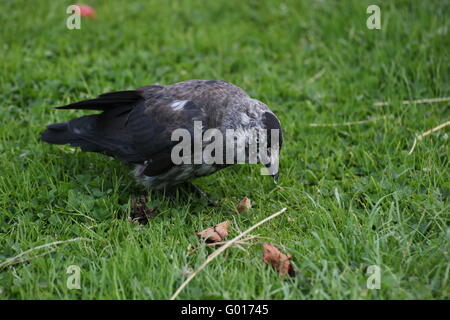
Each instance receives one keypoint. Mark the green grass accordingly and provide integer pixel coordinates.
(355, 197)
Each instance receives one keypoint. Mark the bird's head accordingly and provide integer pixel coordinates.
(259, 132)
(269, 137)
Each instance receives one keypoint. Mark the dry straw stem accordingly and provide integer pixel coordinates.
(213, 255)
(431, 100)
(32, 257)
(351, 123)
(419, 137)
(19, 259)
(244, 241)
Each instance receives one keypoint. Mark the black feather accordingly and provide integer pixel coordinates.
(59, 133)
(271, 122)
(106, 101)
(160, 163)
(106, 133)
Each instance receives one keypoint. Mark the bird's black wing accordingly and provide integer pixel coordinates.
(134, 127)
(152, 124)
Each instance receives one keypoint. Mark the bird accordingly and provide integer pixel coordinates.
(136, 126)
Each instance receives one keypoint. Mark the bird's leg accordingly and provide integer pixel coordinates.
(202, 194)
(171, 192)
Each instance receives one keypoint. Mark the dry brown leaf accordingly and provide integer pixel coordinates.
(217, 252)
(244, 205)
(216, 233)
(140, 213)
(278, 260)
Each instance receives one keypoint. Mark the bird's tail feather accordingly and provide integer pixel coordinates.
(106, 132)
(59, 133)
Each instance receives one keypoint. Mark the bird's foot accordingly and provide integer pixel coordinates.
(199, 192)
(173, 195)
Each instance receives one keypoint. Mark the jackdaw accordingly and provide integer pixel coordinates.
(136, 127)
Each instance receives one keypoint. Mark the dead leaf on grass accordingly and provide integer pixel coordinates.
(278, 260)
(244, 205)
(216, 233)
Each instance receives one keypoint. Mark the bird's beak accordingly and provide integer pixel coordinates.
(271, 163)
(271, 171)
